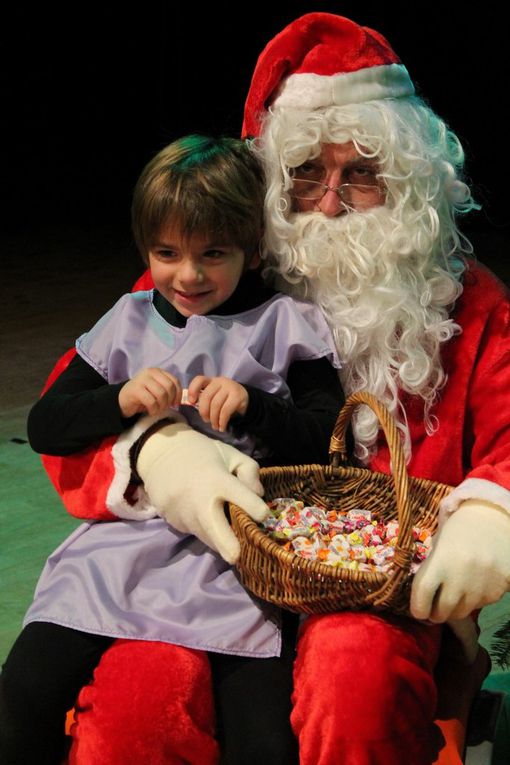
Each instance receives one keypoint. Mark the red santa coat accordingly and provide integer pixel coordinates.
(471, 446)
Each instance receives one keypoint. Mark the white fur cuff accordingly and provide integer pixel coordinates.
(141, 509)
(474, 488)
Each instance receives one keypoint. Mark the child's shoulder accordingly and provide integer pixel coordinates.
(130, 304)
(299, 306)
(139, 296)
(291, 300)
(301, 324)
(278, 302)
(287, 311)
(133, 300)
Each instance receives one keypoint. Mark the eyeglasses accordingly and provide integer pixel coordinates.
(354, 196)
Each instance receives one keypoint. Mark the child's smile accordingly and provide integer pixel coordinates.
(195, 274)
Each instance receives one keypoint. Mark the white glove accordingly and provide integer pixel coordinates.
(469, 565)
(188, 477)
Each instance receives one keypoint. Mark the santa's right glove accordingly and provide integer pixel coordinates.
(189, 476)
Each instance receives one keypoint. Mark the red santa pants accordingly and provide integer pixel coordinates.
(364, 695)
(364, 691)
(149, 703)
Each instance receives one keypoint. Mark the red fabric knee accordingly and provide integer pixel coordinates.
(364, 691)
(148, 703)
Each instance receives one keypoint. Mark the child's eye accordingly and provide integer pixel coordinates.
(214, 254)
(165, 254)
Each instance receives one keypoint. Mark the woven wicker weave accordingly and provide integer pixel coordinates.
(285, 579)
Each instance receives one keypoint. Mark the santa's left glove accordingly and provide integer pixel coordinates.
(189, 476)
(469, 565)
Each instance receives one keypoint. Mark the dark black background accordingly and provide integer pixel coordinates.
(90, 91)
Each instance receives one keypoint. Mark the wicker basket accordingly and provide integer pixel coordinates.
(285, 579)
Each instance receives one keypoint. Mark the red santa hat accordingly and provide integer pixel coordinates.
(323, 60)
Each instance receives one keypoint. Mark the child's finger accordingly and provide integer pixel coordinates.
(226, 412)
(145, 400)
(170, 384)
(165, 394)
(196, 386)
(207, 396)
(217, 403)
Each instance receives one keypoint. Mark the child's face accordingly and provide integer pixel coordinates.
(195, 275)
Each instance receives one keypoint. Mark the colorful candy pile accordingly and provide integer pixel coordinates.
(350, 539)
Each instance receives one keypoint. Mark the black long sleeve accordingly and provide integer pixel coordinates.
(79, 409)
(297, 431)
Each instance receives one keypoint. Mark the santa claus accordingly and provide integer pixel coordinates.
(364, 191)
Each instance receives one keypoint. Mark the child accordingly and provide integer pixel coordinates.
(258, 367)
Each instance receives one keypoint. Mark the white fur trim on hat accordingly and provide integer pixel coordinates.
(315, 91)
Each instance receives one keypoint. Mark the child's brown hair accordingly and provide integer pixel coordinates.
(202, 185)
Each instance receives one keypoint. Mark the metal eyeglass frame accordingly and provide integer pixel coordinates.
(338, 190)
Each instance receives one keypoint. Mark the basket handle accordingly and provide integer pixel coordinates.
(338, 454)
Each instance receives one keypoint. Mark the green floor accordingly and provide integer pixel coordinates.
(33, 522)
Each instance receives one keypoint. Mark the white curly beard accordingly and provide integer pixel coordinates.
(387, 300)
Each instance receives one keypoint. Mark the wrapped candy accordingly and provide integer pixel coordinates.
(352, 539)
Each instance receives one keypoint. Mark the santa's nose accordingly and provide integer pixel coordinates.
(331, 205)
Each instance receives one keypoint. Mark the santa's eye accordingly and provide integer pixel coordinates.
(309, 170)
(363, 174)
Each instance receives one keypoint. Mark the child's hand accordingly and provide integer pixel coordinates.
(151, 391)
(217, 398)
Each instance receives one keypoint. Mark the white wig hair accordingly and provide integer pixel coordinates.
(387, 278)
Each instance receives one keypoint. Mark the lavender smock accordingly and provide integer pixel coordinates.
(142, 579)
